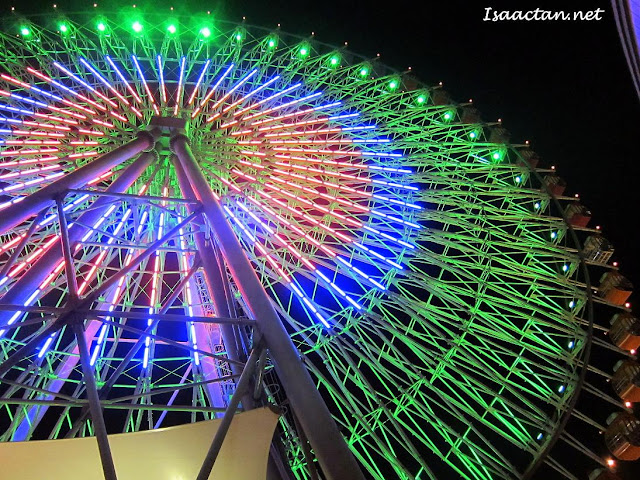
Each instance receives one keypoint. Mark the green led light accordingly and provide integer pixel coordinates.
(271, 43)
(304, 51)
(172, 28)
(364, 71)
(421, 99)
(496, 155)
(205, 32)
(473, 135)
(335, 60)
(101, 27)
(25, 31)
(447, 116)
(393, 84)
(239, 37)
(63, 28)
(136, 26)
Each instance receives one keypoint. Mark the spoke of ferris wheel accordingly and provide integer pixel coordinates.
(27, 284)
(332, 452)
(17, 213)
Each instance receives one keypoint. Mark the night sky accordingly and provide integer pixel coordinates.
(564, 86)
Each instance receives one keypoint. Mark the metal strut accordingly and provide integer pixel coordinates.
(329, 446)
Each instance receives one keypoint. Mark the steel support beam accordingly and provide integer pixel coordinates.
(99, 427)
(329, 446)
(32, 204)
(213, 272)
(223, 428)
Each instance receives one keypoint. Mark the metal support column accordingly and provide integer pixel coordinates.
(329, 446)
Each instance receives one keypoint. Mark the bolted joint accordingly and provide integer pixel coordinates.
(155, 152)
(180, 137)
(150, 136)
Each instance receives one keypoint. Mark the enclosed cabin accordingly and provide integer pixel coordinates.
(602, 474)
(499, 135)
(626, 380)
(555, 184)
(530, 158)
(615, 288)
(597, 249)
(625, 331)
(470, 115)
(577, 214)
(623, 436)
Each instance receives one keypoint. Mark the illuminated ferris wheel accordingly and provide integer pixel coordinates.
(188, 208)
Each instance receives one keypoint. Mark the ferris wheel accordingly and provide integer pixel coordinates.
(180, 198)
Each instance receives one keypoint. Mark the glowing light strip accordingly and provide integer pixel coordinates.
(212, 91)
(146, 86)
(293, 210)
(283, 220)
(284, 105)
(110, 87)
(314, 121)
(372, 229)
(124, 80)
(250, 94)
(354, 223)
(36, 124)
(304, 260)
(363, 166)
(13, 201)
(302, 111)
(229, 93)
(200, 78)
(68, 207)
(69, 90)
(104, 81)
(86, 85)
(303, 133)
(277, 267)
(30, 142)
(20, 186)
(268, 99)
(183, 62)
(335, 141)
(29, 171)
(189, 297)
(48, 95)
(163, 89)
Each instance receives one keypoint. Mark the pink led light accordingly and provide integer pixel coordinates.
(71, 91)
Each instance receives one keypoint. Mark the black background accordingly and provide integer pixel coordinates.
(562, 85)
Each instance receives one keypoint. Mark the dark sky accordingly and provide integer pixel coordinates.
(562, 85)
